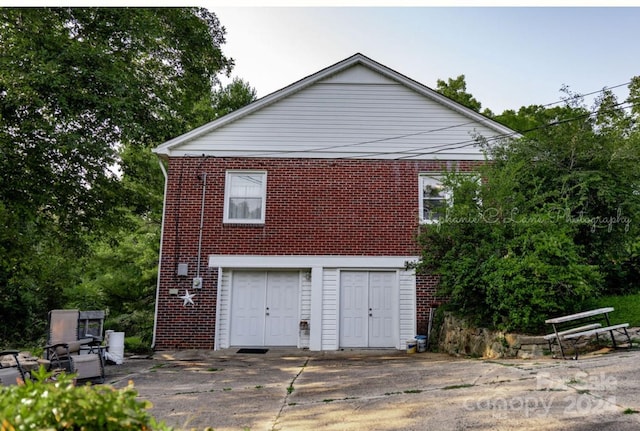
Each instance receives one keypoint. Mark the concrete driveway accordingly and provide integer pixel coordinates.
(290, 389)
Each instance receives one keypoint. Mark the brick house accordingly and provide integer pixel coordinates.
(289, 222)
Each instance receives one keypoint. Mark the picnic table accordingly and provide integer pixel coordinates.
(574, 327)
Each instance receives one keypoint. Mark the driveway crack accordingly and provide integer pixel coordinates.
(290, 390)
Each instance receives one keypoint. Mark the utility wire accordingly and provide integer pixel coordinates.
(446, 147)
(580, 96)
(458, 145)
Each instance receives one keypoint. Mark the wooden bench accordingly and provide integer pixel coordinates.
(575, 334)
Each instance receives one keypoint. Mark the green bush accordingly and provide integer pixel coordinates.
(42, 403)
(137, 345)
(550, 221)
(504, 263)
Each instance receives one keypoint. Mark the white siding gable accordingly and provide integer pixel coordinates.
(358, 74)
(356, 109)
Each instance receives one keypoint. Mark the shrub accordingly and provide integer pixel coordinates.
(504, 262)
(45, 403)
(137, 345)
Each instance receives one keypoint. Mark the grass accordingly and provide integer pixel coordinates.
(156, 366)
(627, 308)
(464, 385)
(330, 400)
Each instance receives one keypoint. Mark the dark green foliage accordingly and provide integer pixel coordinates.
(84, 94)
(554, 221)
(138, 346)
(627, 307)
(39, 404)
(502, 265)
(77, 83)
(234, 96)
(120, 275)
(456, 89)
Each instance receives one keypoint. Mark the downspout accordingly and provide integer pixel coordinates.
(164, 207)
(204, 190)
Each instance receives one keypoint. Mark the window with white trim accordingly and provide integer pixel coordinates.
(245, 196)
(434, 198)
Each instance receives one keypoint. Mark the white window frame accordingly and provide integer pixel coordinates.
(227, 197)
(434, 179)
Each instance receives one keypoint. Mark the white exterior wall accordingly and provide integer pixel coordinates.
(305, 306)
(330, 304)
(407, 305)
(347, 120)
(223, 313)
(359, 110)
(320, 308)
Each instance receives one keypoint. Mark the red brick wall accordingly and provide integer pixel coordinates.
(426, 299)
(313, 207)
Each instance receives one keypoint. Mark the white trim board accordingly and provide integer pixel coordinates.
(344, 262)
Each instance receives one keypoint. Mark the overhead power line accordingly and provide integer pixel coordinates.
(422, 151)
(580, 96)
(471, 142)
(450, 146)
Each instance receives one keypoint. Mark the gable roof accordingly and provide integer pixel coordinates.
(321, 130)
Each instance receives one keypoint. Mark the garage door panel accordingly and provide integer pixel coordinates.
(264, 308)
(353, 309)
(282, 302)
(247, 301)
(367, 309)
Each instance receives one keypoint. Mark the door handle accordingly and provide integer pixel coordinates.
(267, 313)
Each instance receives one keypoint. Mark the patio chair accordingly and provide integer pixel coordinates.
(91, 325)
(11, 371)
(65, 350)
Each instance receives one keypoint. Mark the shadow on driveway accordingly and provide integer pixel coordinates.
(291, 389)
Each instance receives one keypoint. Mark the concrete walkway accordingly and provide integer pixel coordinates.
(385, 390)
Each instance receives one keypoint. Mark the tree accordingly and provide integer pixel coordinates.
(456, 89)
(234, 96)
(80, 91)
(553, 222)
(76, 84)
(121, 269)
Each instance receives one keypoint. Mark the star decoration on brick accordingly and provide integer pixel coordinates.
(187, 297)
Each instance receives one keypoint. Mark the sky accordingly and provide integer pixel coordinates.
(510, 56)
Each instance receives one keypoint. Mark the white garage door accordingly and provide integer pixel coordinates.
(264, 308)
(368, 309)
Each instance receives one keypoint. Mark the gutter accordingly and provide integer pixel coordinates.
(164, 207)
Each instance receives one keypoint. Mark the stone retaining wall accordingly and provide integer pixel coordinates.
(456, 337)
